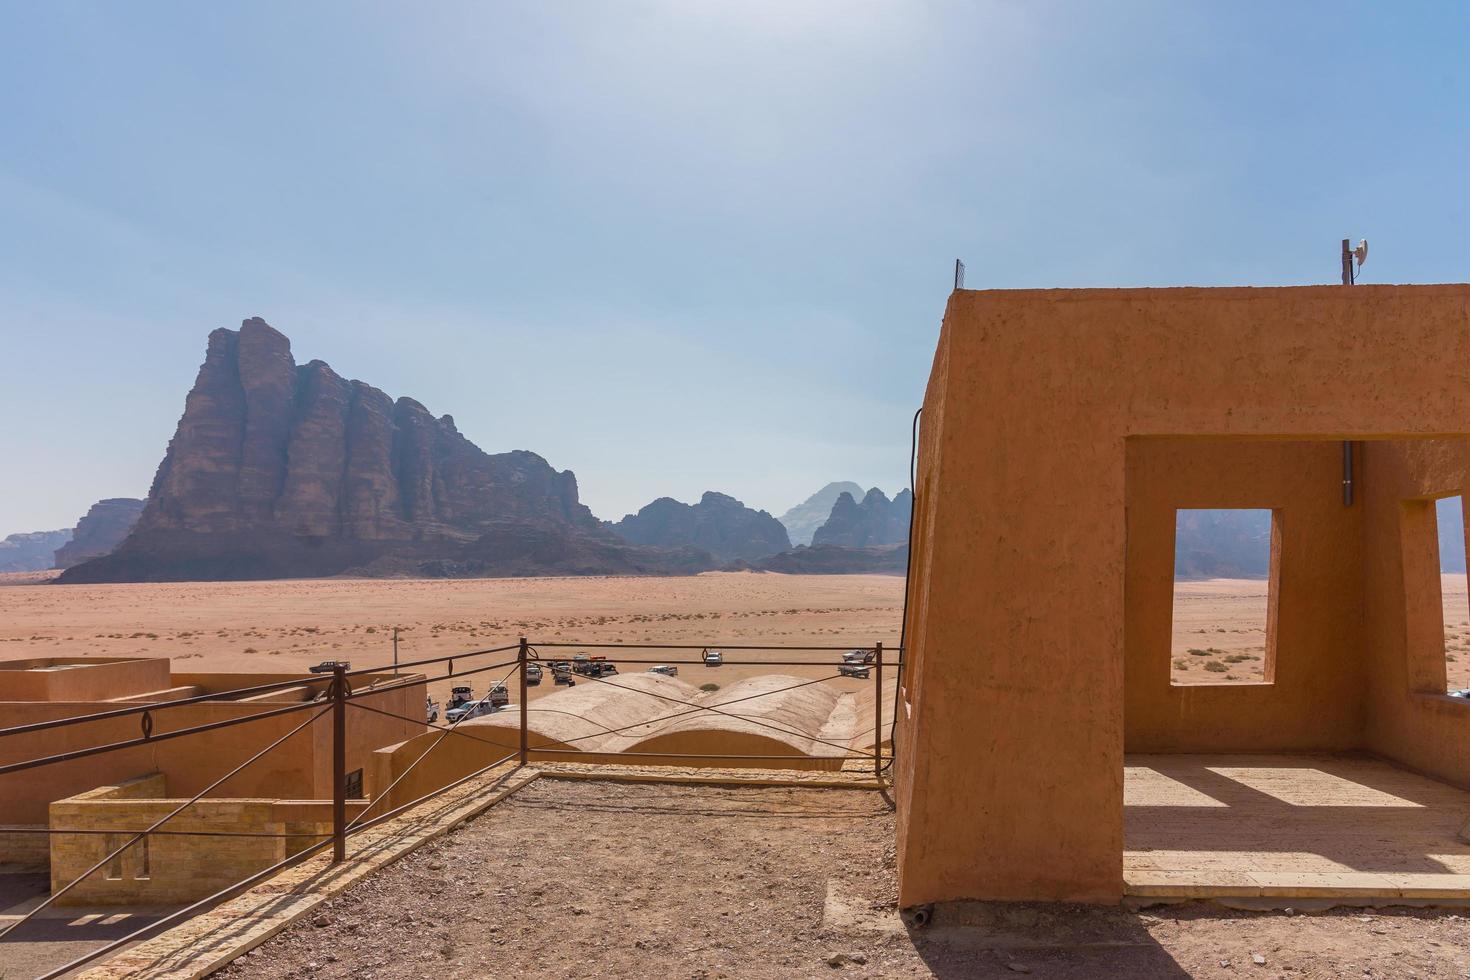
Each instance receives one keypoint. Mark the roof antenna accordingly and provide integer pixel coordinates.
(1348, 278)
(1348, 255)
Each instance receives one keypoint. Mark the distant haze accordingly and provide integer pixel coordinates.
(671, 246)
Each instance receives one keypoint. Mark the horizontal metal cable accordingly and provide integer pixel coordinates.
(401, 776)
(710, 708)
(158, 823)
(151, 739)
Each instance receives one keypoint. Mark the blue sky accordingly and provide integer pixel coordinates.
(672, 246)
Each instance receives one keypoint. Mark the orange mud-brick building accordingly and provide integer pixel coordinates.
(1062, 431)
(37, 691)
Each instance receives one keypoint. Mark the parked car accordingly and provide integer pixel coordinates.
(668, 670)
(470, 709)
(432, 710)
(852, 670)
(458, 697)
(1463, 693)
(533, 674)
(499, 697)
(713, 658)
(592, 666)
(564, 677)
(327, 666)
(860, 656)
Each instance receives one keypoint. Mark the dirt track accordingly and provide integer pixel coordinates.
(607, 880)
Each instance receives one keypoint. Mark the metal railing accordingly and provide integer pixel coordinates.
(334, 693)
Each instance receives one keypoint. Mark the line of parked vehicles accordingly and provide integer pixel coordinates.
(463, 704)
(855, 663)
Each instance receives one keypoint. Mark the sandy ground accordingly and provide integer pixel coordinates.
(269, 626)
(1223, 622)
(286, 626)
(607, 880)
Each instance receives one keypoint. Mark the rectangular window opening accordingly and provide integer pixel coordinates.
(114, 865)
(145, 859)
(354, 785)
(1226, 566)
(1449, 519)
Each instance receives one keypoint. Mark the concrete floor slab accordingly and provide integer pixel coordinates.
(1291, 826)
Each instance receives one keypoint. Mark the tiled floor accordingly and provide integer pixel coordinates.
(1291, 826)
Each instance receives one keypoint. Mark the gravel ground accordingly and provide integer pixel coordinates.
(571, 879)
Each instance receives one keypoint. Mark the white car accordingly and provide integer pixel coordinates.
(668, 670)
(713, 658)
(470, 709)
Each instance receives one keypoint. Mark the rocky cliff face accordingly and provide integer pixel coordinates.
(802, 521)
(1222, 544)
(280, 470)
(831, 559)
(100, 531)
(31, 551)
(718, 524)
(874, 523)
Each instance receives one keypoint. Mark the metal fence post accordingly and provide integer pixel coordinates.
(878, 711)
(522, 658)
(339, 763)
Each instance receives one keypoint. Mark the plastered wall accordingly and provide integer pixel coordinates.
(1022, 656)
(173, 868)
(1314, 698)
(300, 768)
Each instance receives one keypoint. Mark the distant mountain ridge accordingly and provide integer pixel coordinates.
(1222, 544)
(102, 528)
(281, 471)
(875, 522)
(31, 551)
(802, 521)
(719, 524)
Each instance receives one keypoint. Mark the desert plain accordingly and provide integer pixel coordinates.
(282, 626)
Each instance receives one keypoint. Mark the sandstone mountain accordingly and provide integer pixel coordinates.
(283, 470)
(1222, 544)
(831, 559)
(101, 529)
(719, 524)
(874, 523)
(31, 551)
(802, 521)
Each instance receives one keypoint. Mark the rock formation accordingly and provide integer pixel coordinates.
(100, 531)
(1222, 544)
(31, 551)
(874, 523)
(831, 559)
(278, 470)
(718, 524)
(802, 521)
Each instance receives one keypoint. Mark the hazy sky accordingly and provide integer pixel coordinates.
(672, 246)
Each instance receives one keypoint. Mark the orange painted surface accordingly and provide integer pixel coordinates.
(300, 768)
(1061, 430)
(92, 679)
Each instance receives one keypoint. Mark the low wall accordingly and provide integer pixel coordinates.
(167, 869)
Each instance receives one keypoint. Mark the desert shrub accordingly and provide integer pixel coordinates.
(1215, 666)
(1181, 665)
(1196, 652)
(709, 687)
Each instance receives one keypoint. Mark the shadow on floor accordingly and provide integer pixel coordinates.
(966, 940)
